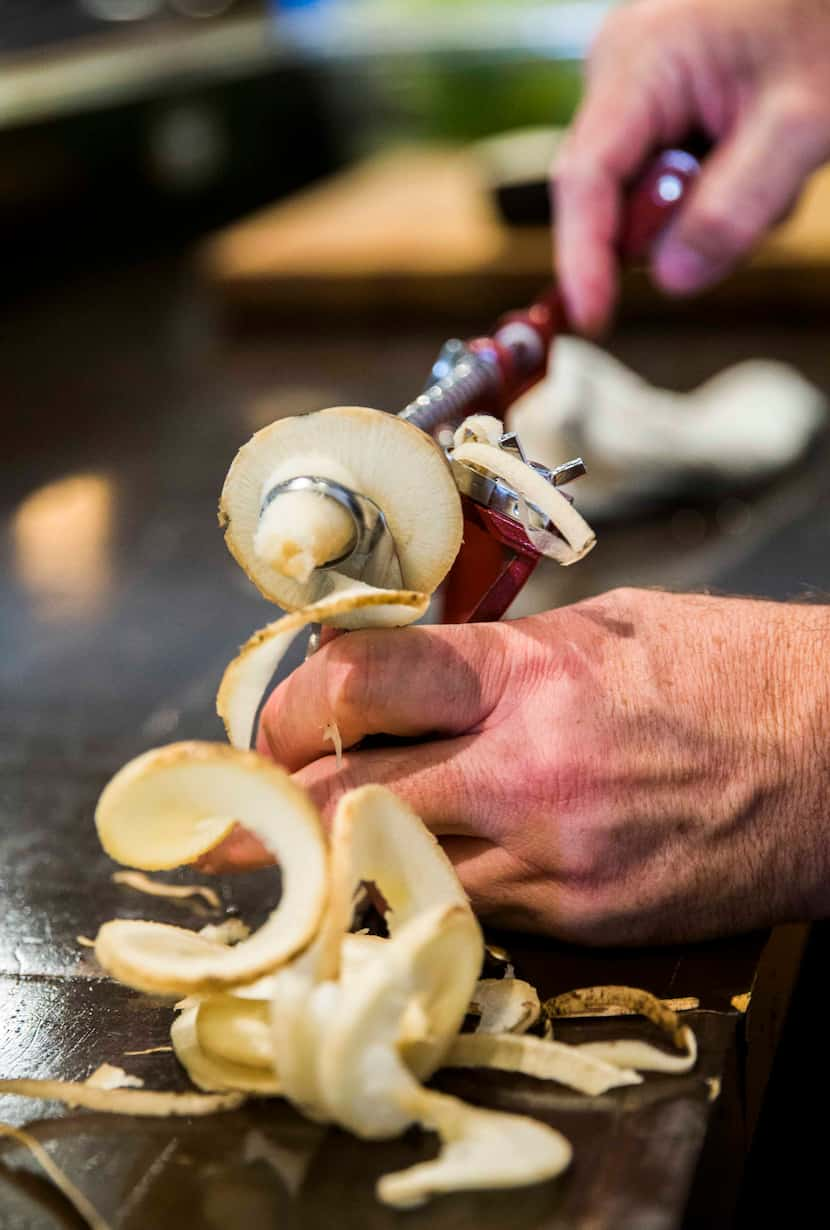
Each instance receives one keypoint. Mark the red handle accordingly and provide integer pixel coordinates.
(655, 199)
(518, 349)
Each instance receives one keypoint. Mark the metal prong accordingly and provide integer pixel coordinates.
(568, 471)
(560, 475)
(511, 443)
(313, 640)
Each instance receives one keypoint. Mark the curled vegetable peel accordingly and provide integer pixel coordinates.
(383, 458)
(246, 678)
(577, 537)
(345, 1026)
(169, 806)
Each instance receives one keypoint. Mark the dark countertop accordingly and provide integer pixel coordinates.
(129, 384)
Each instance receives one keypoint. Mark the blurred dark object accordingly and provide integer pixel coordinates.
(157, 129)
(28, 25)
(520, 166)
(416, 229)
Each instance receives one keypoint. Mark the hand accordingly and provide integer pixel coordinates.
(752, 75)
(641, 767)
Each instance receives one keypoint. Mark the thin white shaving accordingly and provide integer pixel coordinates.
(108, 1076)
(64, 1184)
(331, 734)
(634, 1053)
(247, 677)
(146, 1103)
(176, 892)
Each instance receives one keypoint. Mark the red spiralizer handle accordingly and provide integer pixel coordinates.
(491, 570)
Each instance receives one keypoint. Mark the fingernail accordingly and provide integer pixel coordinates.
(681, 269)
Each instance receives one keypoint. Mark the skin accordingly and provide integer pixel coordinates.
(749, 74)
(641, 767)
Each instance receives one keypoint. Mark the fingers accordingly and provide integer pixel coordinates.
(746, 186)
(442, 782)
(610, 140)
(240, 851)
(405, 682)
(637, 100)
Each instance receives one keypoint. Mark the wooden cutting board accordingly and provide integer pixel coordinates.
(416, 227)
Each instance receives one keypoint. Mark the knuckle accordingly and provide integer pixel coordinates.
(348, 673)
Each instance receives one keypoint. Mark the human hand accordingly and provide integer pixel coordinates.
(641, 767)
(752, 75)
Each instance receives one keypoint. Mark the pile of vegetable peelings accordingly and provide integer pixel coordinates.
(347, 1026)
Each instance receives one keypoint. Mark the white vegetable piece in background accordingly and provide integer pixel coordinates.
(745, 424)
(378, 456)
(505, 1006)
(248, 675)
(172, 805)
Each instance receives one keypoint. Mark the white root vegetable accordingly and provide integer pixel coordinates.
(303, 530)
(434, 960)
(64, 1184)
(345, 1026)
(381, 457)
(505, 1006)
(236, 1029)
(154, 812)
(215, 1073)
(248, 675)
(481, 1149)
(231, 931)
(577, 536)
(376, 838)
(542, 1058)
(175, 892)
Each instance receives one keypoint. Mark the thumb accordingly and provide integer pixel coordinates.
(747, 185)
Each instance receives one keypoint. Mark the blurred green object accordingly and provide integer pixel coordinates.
(458, 101)
(466, 69)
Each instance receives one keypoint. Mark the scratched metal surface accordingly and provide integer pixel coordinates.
(132, 384)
